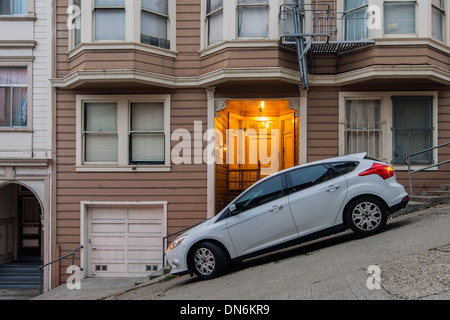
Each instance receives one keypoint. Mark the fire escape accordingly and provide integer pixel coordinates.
(316, 27)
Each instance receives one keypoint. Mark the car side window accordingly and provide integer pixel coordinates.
(307, 177)
(344, 167)
(264, 192)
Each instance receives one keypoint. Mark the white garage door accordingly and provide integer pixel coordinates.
(125, 241)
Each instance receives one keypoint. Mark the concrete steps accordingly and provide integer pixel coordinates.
(429, 199)
(20, 275)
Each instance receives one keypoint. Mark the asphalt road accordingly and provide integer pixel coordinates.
(412, 258)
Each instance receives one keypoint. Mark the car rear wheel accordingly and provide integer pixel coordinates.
(366, 216)
(208, 261)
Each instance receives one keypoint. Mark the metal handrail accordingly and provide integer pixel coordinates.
(407, 160)
(59, 259)
(173, 234)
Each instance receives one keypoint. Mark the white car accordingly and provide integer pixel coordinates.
(289, 207)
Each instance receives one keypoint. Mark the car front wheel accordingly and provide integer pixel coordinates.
(366, 216)
(208, 261)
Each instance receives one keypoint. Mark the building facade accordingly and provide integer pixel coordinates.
(165, 110)
(25, 129)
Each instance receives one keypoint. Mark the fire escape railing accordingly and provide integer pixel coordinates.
(315, 27)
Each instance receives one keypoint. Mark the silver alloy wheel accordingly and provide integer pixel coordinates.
(204, 261)
(366, 216)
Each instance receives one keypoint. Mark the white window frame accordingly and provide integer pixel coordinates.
(230, 30)
(123, 130)
(386, 121)
(418, 25)
(444, 27)
(29, 67)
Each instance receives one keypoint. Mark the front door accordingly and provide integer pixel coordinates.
(29, 226)
(263, 218)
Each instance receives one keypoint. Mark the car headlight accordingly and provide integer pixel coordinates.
(175, 244)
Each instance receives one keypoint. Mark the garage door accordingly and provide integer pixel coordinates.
(125, 241)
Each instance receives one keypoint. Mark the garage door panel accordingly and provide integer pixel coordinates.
(108, 214)
(151, 212)
(108, 228)
(144, 228)
(107, 241)
(125, 242)
(146, 241)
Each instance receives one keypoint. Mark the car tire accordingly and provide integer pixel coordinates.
(366, 216)
(208, 261)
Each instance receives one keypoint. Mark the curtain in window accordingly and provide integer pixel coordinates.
(400, 17)
(412, 127)
(8, 7)
(363, 127)
(100, 132)
(147, 138)
(215, 21)
(253, 20)
(13, 97)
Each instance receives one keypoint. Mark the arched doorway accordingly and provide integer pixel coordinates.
(20, 224)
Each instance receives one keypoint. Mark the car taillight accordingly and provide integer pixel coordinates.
(383, 170)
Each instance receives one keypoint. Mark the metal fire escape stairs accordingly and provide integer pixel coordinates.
(314, 27)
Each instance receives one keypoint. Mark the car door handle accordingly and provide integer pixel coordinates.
(332, 188)
(276, 208)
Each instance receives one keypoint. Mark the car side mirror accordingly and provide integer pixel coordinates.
(233, 209)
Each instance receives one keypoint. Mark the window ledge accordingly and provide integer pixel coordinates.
(106, 168)
(244, 43)
(114, 45)
(18, 18)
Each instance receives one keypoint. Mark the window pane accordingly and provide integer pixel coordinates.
(20, 7)
(109, 24)
(100, 147)
(352, 4)
(253, 21)
(5, 7)
(308, 177)
(109, 3)
(13, 97)
(400, 18)
(100, 119)
(147, 147)
(147, 116)
(253, 1)
(100, 116)
(356, 25)
(160, 6)
(147, 139)
(363, 127)
(213, 5)
(265, 192)
(438, 19)
(154, 29)
(215, 28)
(413, 127)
